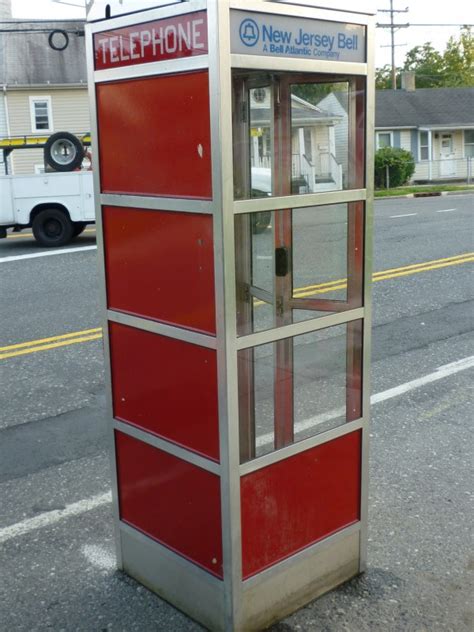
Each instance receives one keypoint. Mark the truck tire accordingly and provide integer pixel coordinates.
(78, 228)
(52, 227)
(63, 152)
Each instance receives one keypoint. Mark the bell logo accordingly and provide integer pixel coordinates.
(249, 32)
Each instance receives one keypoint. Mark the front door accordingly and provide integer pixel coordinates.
(446, 154)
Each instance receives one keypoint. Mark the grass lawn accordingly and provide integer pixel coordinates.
(423, 189)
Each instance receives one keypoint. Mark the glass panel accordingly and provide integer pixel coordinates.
(260, 128)
(320, 252)
(41, 115)
(262, 250)
(423, 138)
(424, 153)
(469, 136)
(384, 140)
(321, 379)
(319, 136)
(298, 265)
(313, 141)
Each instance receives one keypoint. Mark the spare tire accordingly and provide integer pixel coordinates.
(63, 152)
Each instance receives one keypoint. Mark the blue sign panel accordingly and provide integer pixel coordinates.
(285, 36)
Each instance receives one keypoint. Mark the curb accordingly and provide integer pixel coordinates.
(425, 194)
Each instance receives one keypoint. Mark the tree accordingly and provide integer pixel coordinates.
(459, 59)
(393, 167)
(452, 68)
(428, 65)
(383, 77)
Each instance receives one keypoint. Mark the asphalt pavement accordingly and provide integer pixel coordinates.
(56, 535)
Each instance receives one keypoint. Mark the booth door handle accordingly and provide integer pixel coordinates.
(281, 261)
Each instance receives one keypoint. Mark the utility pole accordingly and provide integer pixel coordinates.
(393, 27)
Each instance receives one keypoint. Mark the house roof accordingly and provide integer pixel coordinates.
(424, 107)
(26, 58)
(302, 112)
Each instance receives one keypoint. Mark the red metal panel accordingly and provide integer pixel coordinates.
(170, 500)
(160, 265)
(154, 136)
(293, 503)
(159, 40)
(167, 387)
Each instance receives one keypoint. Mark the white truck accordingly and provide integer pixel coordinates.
(57, 205)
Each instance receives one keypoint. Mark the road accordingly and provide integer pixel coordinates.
(57, 558)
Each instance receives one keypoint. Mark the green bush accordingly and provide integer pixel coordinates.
(400, 163)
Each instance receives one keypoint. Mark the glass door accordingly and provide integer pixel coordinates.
(295, 135)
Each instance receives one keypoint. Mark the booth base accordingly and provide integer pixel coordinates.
(266, 597)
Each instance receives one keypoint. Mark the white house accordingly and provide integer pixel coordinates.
(315, 164)
(43, 90)
(435, 124)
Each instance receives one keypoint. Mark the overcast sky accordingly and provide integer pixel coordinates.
(420, 11)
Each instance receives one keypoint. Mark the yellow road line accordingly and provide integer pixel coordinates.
(414, 267)
(86, 335)
(378, 276)
(55, 345)
(425, 269)
(26, 235)
(424, 264)
(34, 343)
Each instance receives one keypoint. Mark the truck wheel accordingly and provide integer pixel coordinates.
(63, 152)
(78, 228)
(52, 227)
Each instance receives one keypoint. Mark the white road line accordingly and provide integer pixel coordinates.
(49, 253)
(447, 210)
(440, 373)
(404, 215)
(51, 517)
(75, 509)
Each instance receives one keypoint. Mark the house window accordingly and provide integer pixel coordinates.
(469, 143)
(41, 117)
(384, 139)
(424, 146)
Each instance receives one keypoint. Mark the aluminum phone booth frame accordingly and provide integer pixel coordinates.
(233, 153)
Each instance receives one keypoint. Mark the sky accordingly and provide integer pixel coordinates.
(420, 11)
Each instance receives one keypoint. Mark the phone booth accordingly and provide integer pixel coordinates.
(233, 157)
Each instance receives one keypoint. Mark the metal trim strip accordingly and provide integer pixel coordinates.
(173, 577)
(309, 552)
(301, 446)
(220, 88)
(167, 446)
(296, 329)
(103, 289)
(152, 203)
(301, 11)
(155, 327)
(299, 201)
(152, 69)
(368, 269)
(291, 64)
(147, 15)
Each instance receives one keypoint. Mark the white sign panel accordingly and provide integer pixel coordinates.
(284, 36)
